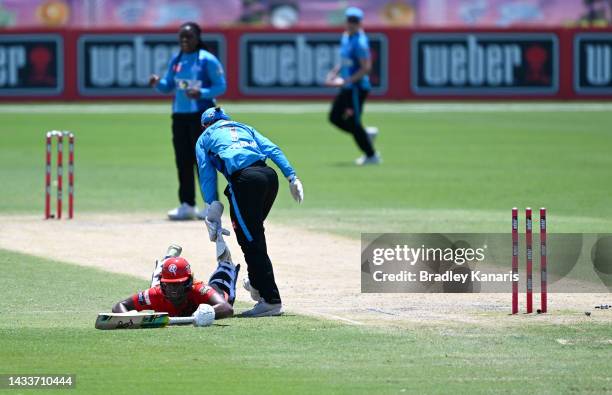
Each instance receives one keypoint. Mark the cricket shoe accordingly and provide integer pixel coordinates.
(182, 212)
(264, 309)
(254, 293)
(368, 160)
(173, 250)
(201, 214)
(372, 132)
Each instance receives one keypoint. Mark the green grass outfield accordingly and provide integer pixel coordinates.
(49, 308)
(447, 167)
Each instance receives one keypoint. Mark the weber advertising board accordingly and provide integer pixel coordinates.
(484, 63)
(31, 65)
(593, 63)
(120, 64)
(297, 63)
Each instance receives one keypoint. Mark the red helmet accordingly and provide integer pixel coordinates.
(176, 270)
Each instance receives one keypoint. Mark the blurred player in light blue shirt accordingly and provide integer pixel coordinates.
(351, 76)
(239, 152)
(196, 77)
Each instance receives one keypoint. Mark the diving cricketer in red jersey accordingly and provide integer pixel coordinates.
(174, 291)
(199, 293)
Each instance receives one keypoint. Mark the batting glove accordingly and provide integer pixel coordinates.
(296, 188)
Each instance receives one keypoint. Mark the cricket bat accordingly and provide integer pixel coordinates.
(139, 320)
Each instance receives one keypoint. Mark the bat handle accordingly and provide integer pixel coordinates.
(180, 321)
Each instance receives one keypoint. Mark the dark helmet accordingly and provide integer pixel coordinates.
(213, 115)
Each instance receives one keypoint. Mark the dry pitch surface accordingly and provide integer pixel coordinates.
(317, 273)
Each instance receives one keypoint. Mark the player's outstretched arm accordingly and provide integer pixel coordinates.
(272, 151)
(222, 308)
(124, 306)
(206, 172)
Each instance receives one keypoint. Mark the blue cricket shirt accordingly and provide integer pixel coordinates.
(199, 69)
(228, 146)
(353, 49)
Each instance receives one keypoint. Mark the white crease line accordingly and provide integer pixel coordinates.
(380, 311)
(333, 317)
(52, 312)
(311, 313)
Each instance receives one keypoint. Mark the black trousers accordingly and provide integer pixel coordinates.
(346, 112)
(186, 130)
(251, 195)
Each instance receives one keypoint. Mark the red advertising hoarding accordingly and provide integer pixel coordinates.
(508, 64)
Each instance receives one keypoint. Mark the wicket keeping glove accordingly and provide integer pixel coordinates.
(213, 220)
(296, 188)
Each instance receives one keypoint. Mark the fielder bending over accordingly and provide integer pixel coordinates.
(239, 152)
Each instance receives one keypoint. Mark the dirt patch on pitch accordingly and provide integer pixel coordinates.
(318, 274)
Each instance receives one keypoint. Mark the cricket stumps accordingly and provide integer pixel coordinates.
(529, 261)
(59, 136)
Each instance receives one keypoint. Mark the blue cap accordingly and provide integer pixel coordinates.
(212, 115)
(354, 12)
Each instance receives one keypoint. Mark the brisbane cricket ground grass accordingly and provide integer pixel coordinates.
(49, 309)
(447, 168)
(455, 171)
